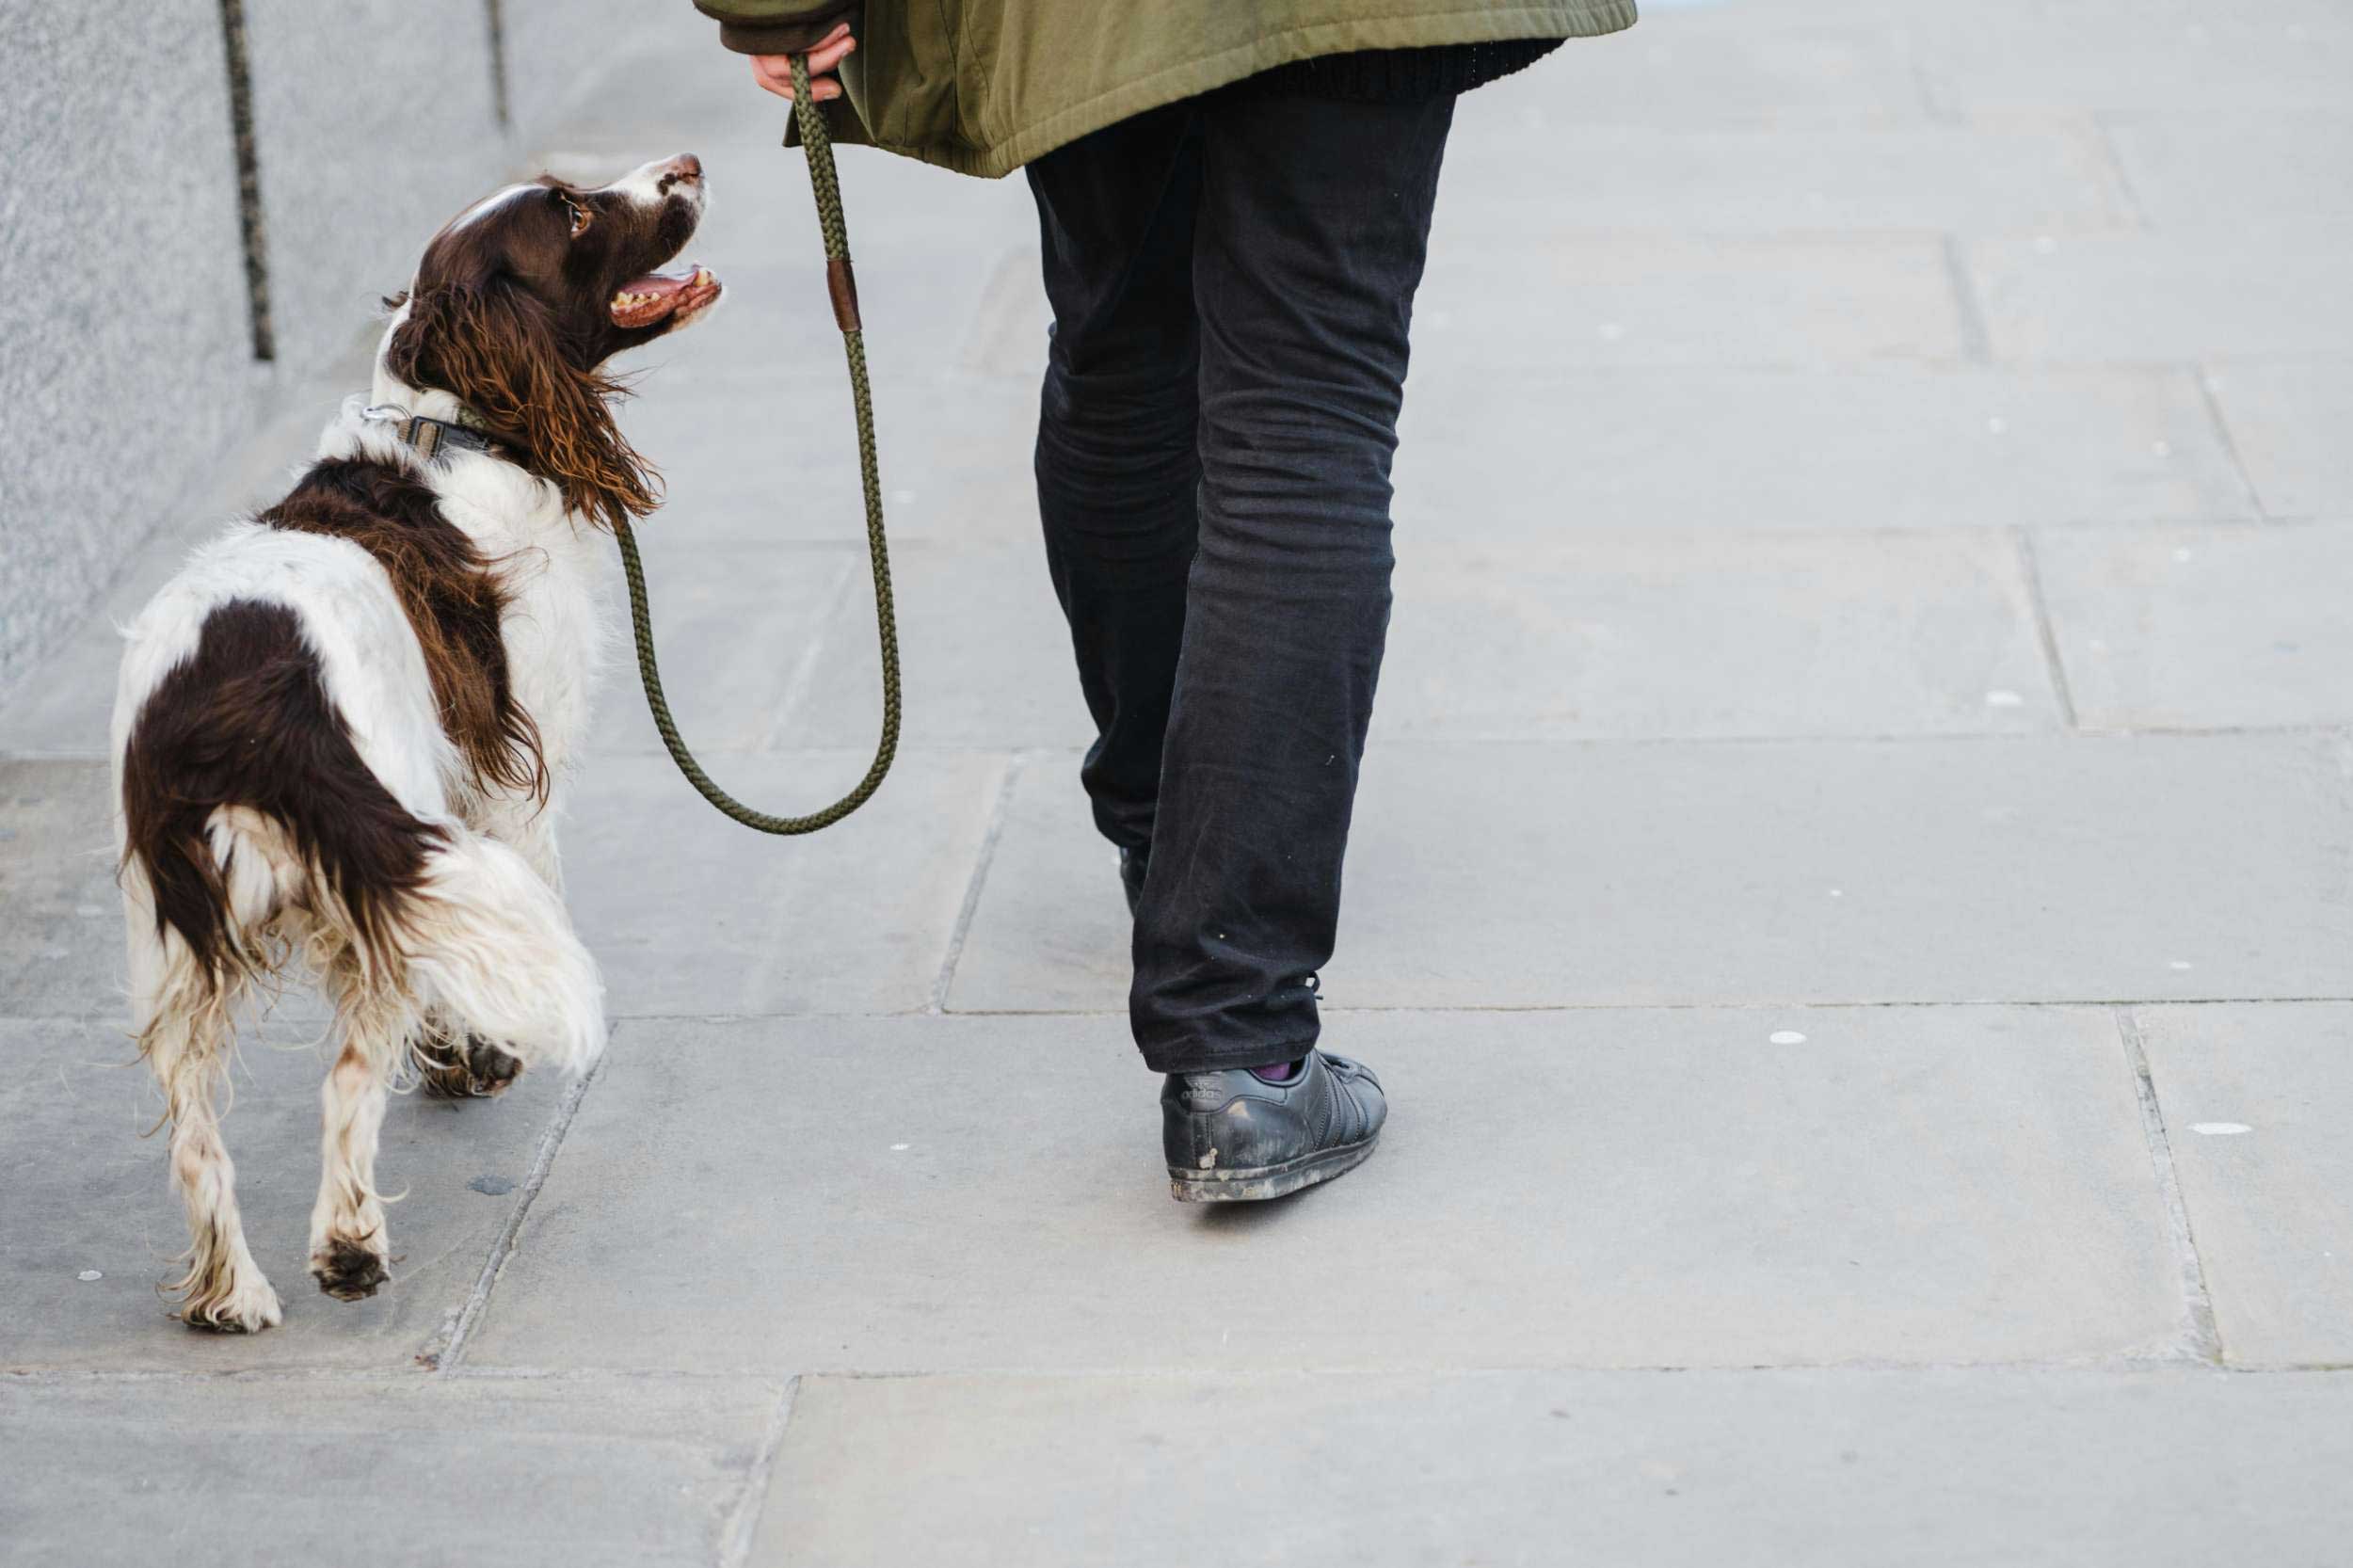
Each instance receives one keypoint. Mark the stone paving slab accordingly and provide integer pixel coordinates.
(1711, 64)
(920, 319)
(87, 1189)
(2288, 423)
(757, 458)
(1665, 633)
(2055, 1469)
(1556, 873)
(2047, 177)
(2265, 169)
(1899, 1184)
(735, 626)
(2127, 55)
(985, 646)
(566, 1473)
(1635, 633)
(64, 956)
(2192, 628)
(2256, 1101)
(2163, 298)
(1529, 455)
(1486, 306)
(688, 913)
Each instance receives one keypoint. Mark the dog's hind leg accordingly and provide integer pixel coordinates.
(481, 946)
(183, 1019)
(491, 953)
(374, 1021)
(453, 1061)
(454, 1065)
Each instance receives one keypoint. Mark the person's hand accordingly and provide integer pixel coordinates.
(775, 72)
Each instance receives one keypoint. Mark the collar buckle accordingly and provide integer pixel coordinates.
(427, 437)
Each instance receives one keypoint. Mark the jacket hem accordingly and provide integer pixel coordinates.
(1208, 72)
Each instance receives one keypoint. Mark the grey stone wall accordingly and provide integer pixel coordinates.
(125, 354)
(126, 360)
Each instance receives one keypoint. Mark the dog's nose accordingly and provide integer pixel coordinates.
(684, 167)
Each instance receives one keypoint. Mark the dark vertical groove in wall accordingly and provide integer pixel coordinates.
(249, 178)
(495, 14)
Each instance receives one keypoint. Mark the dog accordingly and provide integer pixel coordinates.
(340, 733)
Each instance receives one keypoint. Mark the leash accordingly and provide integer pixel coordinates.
(842, 286)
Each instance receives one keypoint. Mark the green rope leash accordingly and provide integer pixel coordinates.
(843, 286)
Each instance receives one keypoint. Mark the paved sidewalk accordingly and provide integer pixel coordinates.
(1853, 900)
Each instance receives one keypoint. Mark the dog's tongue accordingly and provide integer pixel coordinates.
(646, 300)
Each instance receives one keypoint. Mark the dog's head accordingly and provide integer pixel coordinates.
(522, 298)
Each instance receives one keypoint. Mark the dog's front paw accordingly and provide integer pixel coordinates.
(346, 1270)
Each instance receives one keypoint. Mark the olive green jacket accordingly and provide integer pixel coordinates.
(984, 85)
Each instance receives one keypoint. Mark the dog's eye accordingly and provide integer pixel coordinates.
(581, 217)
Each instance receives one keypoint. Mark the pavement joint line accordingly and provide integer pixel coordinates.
(2199, 373)
(1429, 743)
(2102, 130)
(446, 1357)
(1936, 103)
(999, 809)
(804, 675)
(743, 1514)
(1006, 295)
(2204, 1335)
(35, 1376)
(2121, 1364)
(1977, 339)
(1427, 739)
(2045, 632)
(2124, 1363)
(1741, 1006)
(1336, 1009)
(2213, 523)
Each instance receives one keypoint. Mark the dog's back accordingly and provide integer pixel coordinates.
(230, 735)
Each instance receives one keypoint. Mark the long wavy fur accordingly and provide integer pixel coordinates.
(497, 349)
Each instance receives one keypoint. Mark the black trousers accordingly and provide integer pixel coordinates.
(1232, 279)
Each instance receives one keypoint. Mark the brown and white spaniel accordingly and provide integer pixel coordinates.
(341, 732)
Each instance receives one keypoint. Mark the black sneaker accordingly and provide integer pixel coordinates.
(1232, 1137)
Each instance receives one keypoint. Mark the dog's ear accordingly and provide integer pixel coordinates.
(497, 350)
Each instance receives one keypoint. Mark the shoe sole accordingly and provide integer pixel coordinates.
(1259, 1183)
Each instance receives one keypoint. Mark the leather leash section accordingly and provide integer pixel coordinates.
(842, 286)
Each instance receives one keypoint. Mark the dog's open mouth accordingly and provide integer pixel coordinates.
(658, 296)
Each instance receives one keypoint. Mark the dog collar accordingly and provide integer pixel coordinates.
(425, 436)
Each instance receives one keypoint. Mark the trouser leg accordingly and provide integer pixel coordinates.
(1117, 470)
(1313, 222)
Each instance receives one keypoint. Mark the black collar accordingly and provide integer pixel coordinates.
(426, 437)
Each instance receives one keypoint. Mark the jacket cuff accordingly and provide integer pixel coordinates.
(780, 35)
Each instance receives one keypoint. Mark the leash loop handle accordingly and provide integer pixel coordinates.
(841, 286)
